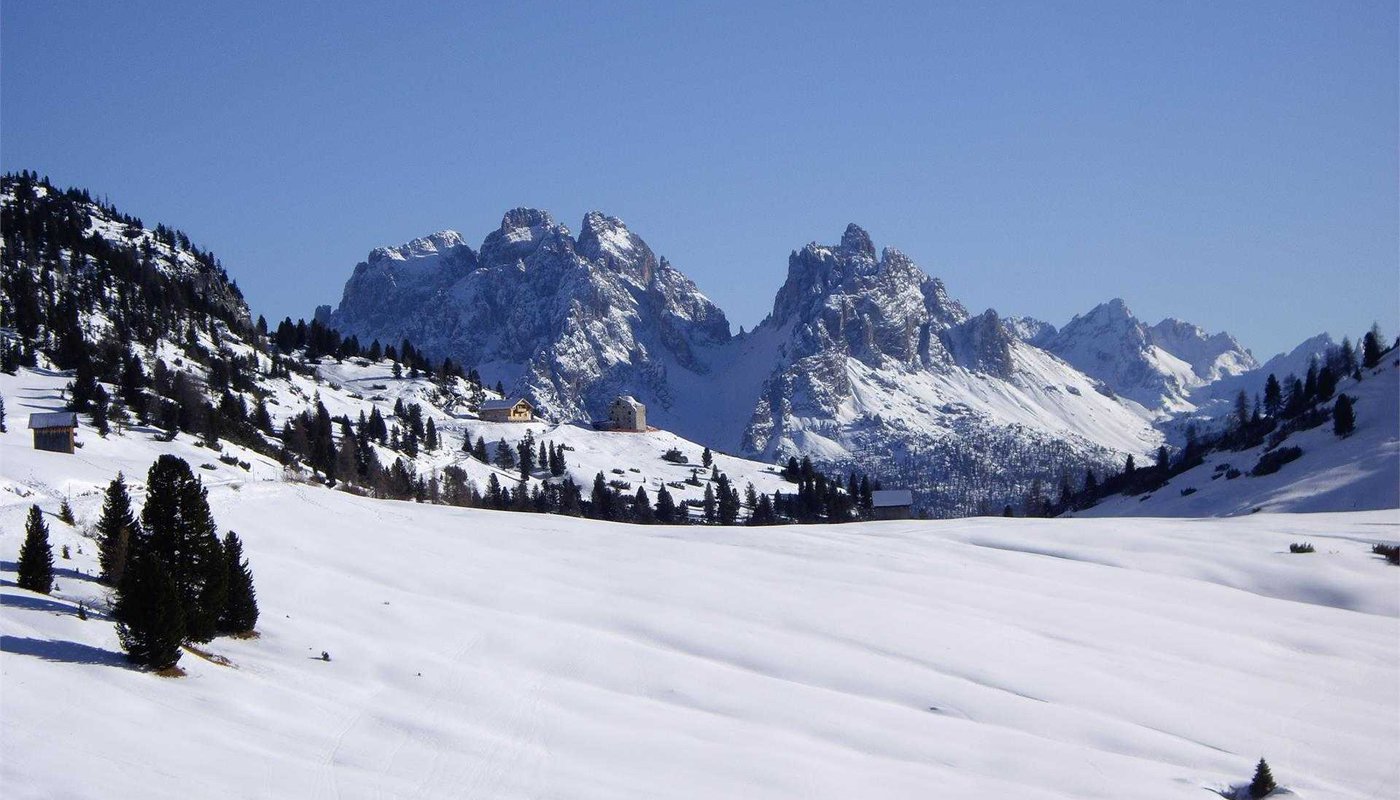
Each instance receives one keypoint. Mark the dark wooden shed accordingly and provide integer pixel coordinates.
(54, 431)
(892, 504)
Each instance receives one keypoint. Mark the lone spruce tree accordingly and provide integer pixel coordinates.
(150, 622)
(1343, 417)
(1263, 782)
(240, 613)
(177, 528)
(115, 530)
(35, 555)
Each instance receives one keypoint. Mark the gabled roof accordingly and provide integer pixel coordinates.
(504, 405)
(628, 399)
(885, 498)
(54, 419)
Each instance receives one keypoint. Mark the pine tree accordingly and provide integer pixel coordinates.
(150, 622)
(35, 556)
(240, 614)
(65, 512)
(1273, 396)
(2, 414)
(479, 450)
(1263, 782)
(665, 507)
(430, 438)
(1371, 347)
(641, 507)
(600, 502)
(709, 507)
(115, 530)
(505, 455)
(1343, 417)
(1241, 410)
(178, 529)
(707, 458)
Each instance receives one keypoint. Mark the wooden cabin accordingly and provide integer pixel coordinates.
(516, 409)
(54, 431)
(627, 414)
(892, 504)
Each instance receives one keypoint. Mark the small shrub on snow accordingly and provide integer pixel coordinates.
(1189, 490)
(1232, 473)
(1272, 461)
(1305, 547)
(1390, 552)
(675, 456)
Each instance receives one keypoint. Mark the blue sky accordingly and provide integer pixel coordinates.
(1231, 164)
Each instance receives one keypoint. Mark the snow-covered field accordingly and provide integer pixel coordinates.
(487, 654)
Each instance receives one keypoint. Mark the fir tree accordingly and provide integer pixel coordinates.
(1263, 782)
(65, 512)
(240, 614)
(35, 556)
(707, 458)
(178, 529)
(2, 414)
(1273, 396)
(1343, 417)
(479, 451)
(1371, 347)
(600, 502)
(115, 530)
(150, 621)
(665, 507)
(641, 507)
(505, 455)
(709, 508)
(430, 437)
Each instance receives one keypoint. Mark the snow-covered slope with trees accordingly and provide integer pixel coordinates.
(1359, 471)
(479, 653)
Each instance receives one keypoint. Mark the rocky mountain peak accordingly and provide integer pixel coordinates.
(855, 240)
(608, 241)
(522, 232)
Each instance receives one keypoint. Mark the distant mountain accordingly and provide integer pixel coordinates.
(864, 357)
(570, 322)
(1157, 366)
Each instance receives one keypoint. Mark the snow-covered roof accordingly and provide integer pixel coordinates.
(628, 399)
(503, 405)
(54, 419)
(884, 498)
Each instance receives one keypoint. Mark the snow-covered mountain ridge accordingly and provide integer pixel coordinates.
(864, 356)
(1158, 366)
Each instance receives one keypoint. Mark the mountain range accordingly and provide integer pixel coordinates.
(864, 356)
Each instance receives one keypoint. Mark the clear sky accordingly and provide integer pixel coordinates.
(1233, 164)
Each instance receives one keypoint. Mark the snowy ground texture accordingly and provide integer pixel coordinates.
(486, 654)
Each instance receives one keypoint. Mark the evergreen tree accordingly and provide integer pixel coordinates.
(65, 512)
(707, 458)
(115, 530)
(600, 502)
(148, 611)
(641, 507)
(1263, 782)
(1371, 347)
(1129, 468)
(709, 508)
(665, 507)
(479, 450)
(1343, 417)
(1346, 357)
(1273, 396)
(1007, 512)
(505, 455)
(178, 529)
(1241, 411)
(2, 414)
(35, 556)
(430, 437)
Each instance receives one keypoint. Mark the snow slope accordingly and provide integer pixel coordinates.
(486, 654)
(1356, 473)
